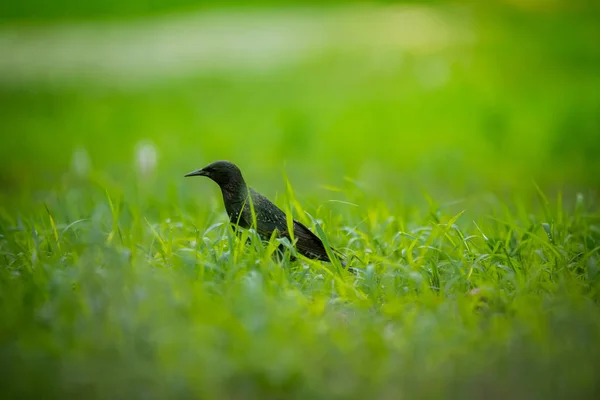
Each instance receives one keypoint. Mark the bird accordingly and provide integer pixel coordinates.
(237, 196)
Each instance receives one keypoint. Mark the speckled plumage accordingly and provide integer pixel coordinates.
(269, 217)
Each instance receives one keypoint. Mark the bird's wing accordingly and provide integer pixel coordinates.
(308, 243)
(269, 217)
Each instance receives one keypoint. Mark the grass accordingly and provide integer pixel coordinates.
(471, 207)
(126, 302)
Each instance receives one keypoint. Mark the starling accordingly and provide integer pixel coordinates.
(269, 217)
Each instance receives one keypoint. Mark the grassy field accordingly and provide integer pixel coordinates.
(464, 178)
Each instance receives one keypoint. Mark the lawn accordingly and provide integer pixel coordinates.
(460, 178)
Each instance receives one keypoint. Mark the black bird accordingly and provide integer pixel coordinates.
(268, 216)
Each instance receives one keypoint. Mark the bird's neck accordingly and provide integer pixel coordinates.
(234, 192)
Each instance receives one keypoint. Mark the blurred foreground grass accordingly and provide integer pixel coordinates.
(118, 277)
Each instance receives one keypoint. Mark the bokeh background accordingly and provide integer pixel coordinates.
(388, 119)
(451, 97)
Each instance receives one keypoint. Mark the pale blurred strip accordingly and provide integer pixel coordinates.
(234, 41)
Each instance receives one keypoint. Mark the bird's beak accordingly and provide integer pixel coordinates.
(199, 172)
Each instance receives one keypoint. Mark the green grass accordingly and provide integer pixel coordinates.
(471, 208)
(143, 298)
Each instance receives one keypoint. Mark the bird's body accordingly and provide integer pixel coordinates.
(239, 200)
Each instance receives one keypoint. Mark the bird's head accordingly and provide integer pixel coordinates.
(224, 173)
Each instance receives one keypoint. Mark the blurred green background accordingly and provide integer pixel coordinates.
(116, 280)
(446, 95)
